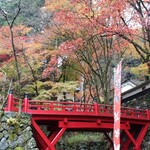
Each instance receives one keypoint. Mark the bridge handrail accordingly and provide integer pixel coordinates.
(51, 107)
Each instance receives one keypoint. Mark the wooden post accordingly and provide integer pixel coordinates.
(96, 108)
(26, 103)
(10, 101)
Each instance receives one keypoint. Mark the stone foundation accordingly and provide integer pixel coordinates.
(16, 132)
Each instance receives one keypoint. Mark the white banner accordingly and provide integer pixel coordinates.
(117, 105)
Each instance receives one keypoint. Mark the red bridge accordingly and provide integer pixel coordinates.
(63, 116)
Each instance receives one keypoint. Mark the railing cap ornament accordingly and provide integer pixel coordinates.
(25, 95)
(10, 91)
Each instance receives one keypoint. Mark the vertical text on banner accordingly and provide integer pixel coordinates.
(117, 105)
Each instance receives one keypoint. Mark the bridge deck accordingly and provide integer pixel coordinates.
(62, 116)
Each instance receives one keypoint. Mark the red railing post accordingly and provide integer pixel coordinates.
(26, 103)
(96, 108)
(10, 101)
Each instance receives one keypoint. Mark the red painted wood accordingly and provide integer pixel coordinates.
(53, 134)
(88, 125)
(46, 107)
(49, 107)
(9, 102)
(26, 105)
(142, 134)
(41, 134)
(125, 144)
(40, 142)
(130, 136)
(62, 116)
(58, 136)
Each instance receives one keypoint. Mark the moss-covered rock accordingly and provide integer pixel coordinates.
(19, 148)
(16, 132)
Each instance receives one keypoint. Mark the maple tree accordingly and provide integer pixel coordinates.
(10, 25)
(139, 20)
(19, 52)
(85, 41)
(135, 28)
(85, 38)
(77, 21)
(27, 51)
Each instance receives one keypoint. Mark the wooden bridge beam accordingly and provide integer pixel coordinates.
(136, 141)
(125, 141)
(45, 143)
(57, 136)
(141, 135)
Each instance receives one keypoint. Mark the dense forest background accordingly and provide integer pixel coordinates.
(66, 50)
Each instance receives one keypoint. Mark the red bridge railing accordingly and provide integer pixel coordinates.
(69, 108)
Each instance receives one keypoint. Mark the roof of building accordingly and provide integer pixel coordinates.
(136, 91)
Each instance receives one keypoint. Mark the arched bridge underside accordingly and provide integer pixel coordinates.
(59, 117)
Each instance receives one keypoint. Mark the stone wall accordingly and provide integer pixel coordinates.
(146, 141)
(16, 132)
